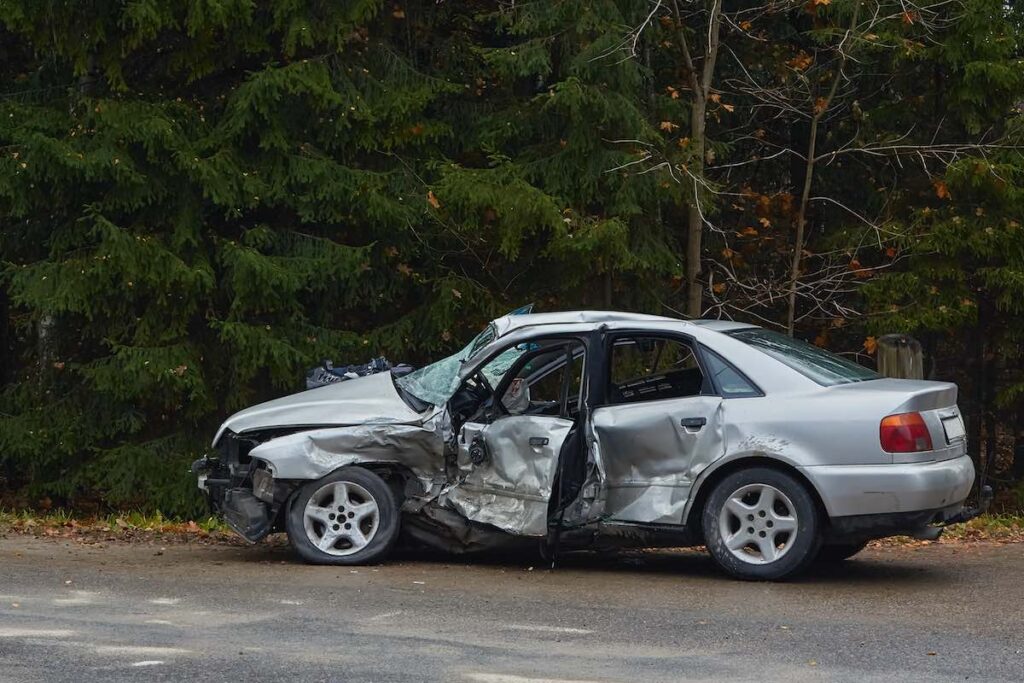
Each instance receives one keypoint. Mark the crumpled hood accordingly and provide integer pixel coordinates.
(356, 401)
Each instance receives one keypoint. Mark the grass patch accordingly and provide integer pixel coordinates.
(128, 524)
(994, 527)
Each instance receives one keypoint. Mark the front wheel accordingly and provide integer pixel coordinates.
(348, 517)
(761, 524)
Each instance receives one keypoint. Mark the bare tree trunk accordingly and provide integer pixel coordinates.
(820, 108)
(695, 222)
(700, 86)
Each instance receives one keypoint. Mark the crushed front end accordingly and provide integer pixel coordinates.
(241, 489)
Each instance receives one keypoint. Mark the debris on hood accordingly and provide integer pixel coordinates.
(327, 373)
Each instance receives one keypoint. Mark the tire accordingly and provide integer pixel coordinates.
(835, 553)
(782, 537)
(347, 517)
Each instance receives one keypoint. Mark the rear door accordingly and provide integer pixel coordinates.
(658, 427)
(508, 452)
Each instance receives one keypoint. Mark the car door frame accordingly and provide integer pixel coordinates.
(671, 508)
(520, 512)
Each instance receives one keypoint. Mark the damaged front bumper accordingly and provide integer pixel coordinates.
(242, 490)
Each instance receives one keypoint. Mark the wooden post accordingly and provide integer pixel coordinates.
(900, 356)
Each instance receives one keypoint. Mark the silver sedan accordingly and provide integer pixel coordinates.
(597, 430)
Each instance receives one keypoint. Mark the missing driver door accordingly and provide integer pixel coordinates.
(508, 461)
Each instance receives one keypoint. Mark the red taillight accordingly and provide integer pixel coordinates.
(905, 433)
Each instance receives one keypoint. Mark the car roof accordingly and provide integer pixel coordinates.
(510, 323)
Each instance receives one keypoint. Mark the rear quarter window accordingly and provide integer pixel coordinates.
(819, 365)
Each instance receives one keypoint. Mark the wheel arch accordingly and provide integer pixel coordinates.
(708, 479)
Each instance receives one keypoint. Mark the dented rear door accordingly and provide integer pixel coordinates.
(653, 451)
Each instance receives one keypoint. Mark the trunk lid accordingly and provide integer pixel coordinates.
(935, 401)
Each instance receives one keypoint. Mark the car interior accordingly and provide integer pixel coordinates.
(653, 368)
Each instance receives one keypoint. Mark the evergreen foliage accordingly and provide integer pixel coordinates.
(202, 198)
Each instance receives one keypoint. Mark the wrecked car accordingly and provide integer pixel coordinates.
(595, 430)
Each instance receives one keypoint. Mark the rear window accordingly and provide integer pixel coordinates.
(822, 366)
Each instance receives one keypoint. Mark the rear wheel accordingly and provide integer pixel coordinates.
(761, 524)
(348, 517)
(830, 554)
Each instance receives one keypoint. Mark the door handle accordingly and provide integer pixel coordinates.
(539, 441)
(693, 422)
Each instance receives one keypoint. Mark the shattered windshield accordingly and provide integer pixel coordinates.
(437, 382)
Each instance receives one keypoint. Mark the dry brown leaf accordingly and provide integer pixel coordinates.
(801, 61)
(432, 200)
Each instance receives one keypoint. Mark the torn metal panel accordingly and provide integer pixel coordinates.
(449, 531)
(655, 450)
(315, 453)
(365, 399)
(506, 471)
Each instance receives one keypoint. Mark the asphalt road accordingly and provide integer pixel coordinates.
(71, 612)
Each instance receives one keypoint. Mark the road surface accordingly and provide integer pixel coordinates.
(74, 612)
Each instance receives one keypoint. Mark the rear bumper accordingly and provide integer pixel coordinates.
(926, 487)
(925, 524)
